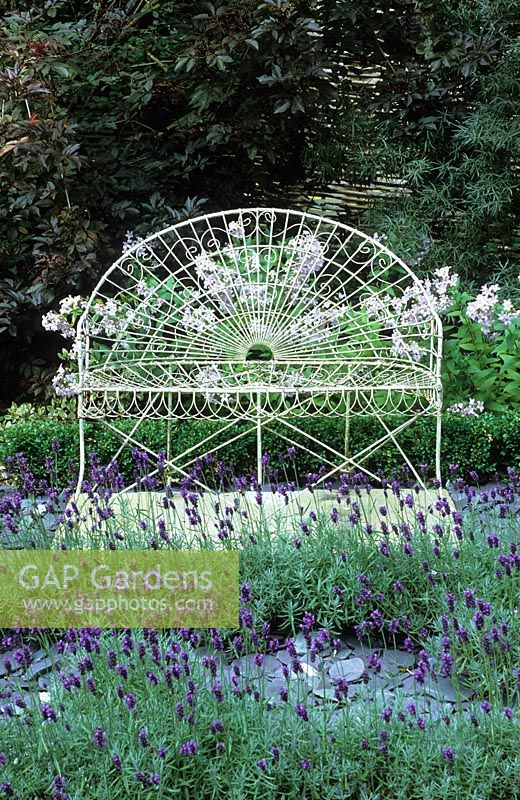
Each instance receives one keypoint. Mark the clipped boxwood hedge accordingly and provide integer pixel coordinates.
(487, 444)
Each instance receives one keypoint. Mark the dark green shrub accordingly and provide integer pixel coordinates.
(486, 444)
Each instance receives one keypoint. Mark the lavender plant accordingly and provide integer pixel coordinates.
(154, 713)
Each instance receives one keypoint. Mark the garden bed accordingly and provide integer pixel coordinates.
(368, 660)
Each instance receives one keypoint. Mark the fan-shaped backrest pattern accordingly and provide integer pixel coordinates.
(256, 284)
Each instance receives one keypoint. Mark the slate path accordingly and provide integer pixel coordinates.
(334, 677)
(319, 680)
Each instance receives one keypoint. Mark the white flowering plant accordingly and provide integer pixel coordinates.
(482, 351)
(245, 313)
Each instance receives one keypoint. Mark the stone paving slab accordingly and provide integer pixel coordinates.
(274, 511)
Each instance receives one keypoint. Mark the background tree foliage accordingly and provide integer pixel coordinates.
(124, 116)
(443, 117)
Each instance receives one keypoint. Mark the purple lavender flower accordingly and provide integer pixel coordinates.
(384, 549)
(341, 689)
(275, 750)
(23, 656)
(447, 663)
(305, 764)
(48, 713)
(217, 726)
(246, 618)
(116, 761)
(262, 764)
(189, 748)
(99, 738)
(154, 779)
(143, 737)
(374, 663)
(301, 711)
(469, 598)
(58, 785)
(217, 692)
(393, 626)
(7, 665)
(448, 754)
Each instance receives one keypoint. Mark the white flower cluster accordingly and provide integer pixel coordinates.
(131, 240)
(470, 409)
(74, 351)
(310, 257)
(317, 323)
(113, 318)
(480, 310)
(197, 317)
(142, 289)
(217, 279)
(485, 309)
(232, 253)
(440, 287)
(254, 293)
(210, 376)
(405, 349)
(236, 230)
(65, 383)
(417, 302)
(59, 320)
(508, 313)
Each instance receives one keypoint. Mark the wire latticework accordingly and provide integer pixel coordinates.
(260, 315)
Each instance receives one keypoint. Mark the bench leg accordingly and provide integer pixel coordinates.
(81, 473)
(347, 428)
(259, 454)
(438, 444)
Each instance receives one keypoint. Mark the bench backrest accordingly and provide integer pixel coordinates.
(258, 284)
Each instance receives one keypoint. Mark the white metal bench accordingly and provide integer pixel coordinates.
(260, 315)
